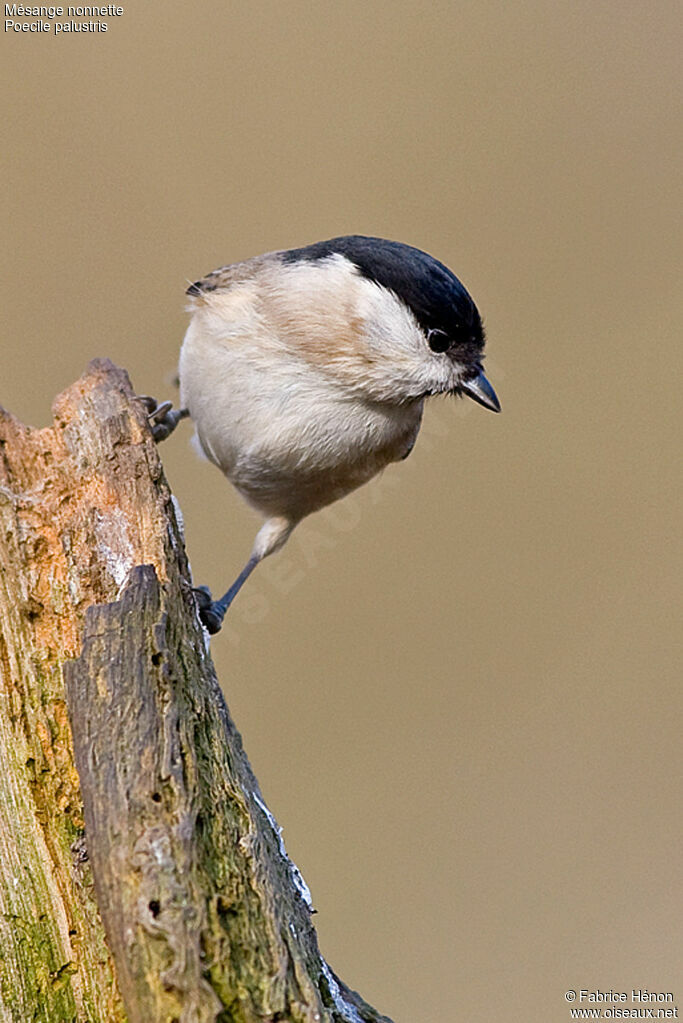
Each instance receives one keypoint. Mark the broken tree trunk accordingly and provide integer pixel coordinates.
(142, 877)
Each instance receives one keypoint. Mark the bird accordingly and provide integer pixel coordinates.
(305, 372)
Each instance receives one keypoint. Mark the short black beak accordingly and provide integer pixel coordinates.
(479, 389)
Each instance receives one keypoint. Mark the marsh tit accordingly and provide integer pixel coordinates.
(305, 373)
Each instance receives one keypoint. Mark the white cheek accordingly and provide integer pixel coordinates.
(391, 327)
(399, 345)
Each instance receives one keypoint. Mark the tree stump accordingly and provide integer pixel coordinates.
(142, 877)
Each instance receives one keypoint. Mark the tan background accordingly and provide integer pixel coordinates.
(460, 688)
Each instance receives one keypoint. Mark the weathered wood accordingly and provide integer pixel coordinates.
(180, 863)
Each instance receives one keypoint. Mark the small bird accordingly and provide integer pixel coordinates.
(305, 373)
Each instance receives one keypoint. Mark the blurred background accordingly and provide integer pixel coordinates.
(460, 689)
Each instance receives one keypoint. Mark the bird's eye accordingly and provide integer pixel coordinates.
(438, 341)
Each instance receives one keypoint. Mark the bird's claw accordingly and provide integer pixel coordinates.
(148, 401)
(210, 617)
(162, 417)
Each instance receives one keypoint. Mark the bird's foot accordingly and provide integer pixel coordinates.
(162, 417)
(211, 612)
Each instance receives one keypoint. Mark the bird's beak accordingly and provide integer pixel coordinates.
(479, 389)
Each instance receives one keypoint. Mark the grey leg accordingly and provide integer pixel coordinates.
(163, 418)
(212, 612)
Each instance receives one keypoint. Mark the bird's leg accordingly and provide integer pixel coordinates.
(162, 417)
(270, 537)
(212, 612)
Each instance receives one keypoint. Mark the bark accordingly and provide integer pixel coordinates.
(142, 877)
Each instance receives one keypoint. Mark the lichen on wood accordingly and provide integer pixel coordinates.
(142, 877)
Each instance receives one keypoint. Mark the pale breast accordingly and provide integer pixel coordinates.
(257, 372)
(308, 462)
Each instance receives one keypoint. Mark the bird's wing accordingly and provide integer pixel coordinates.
(226, 276)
